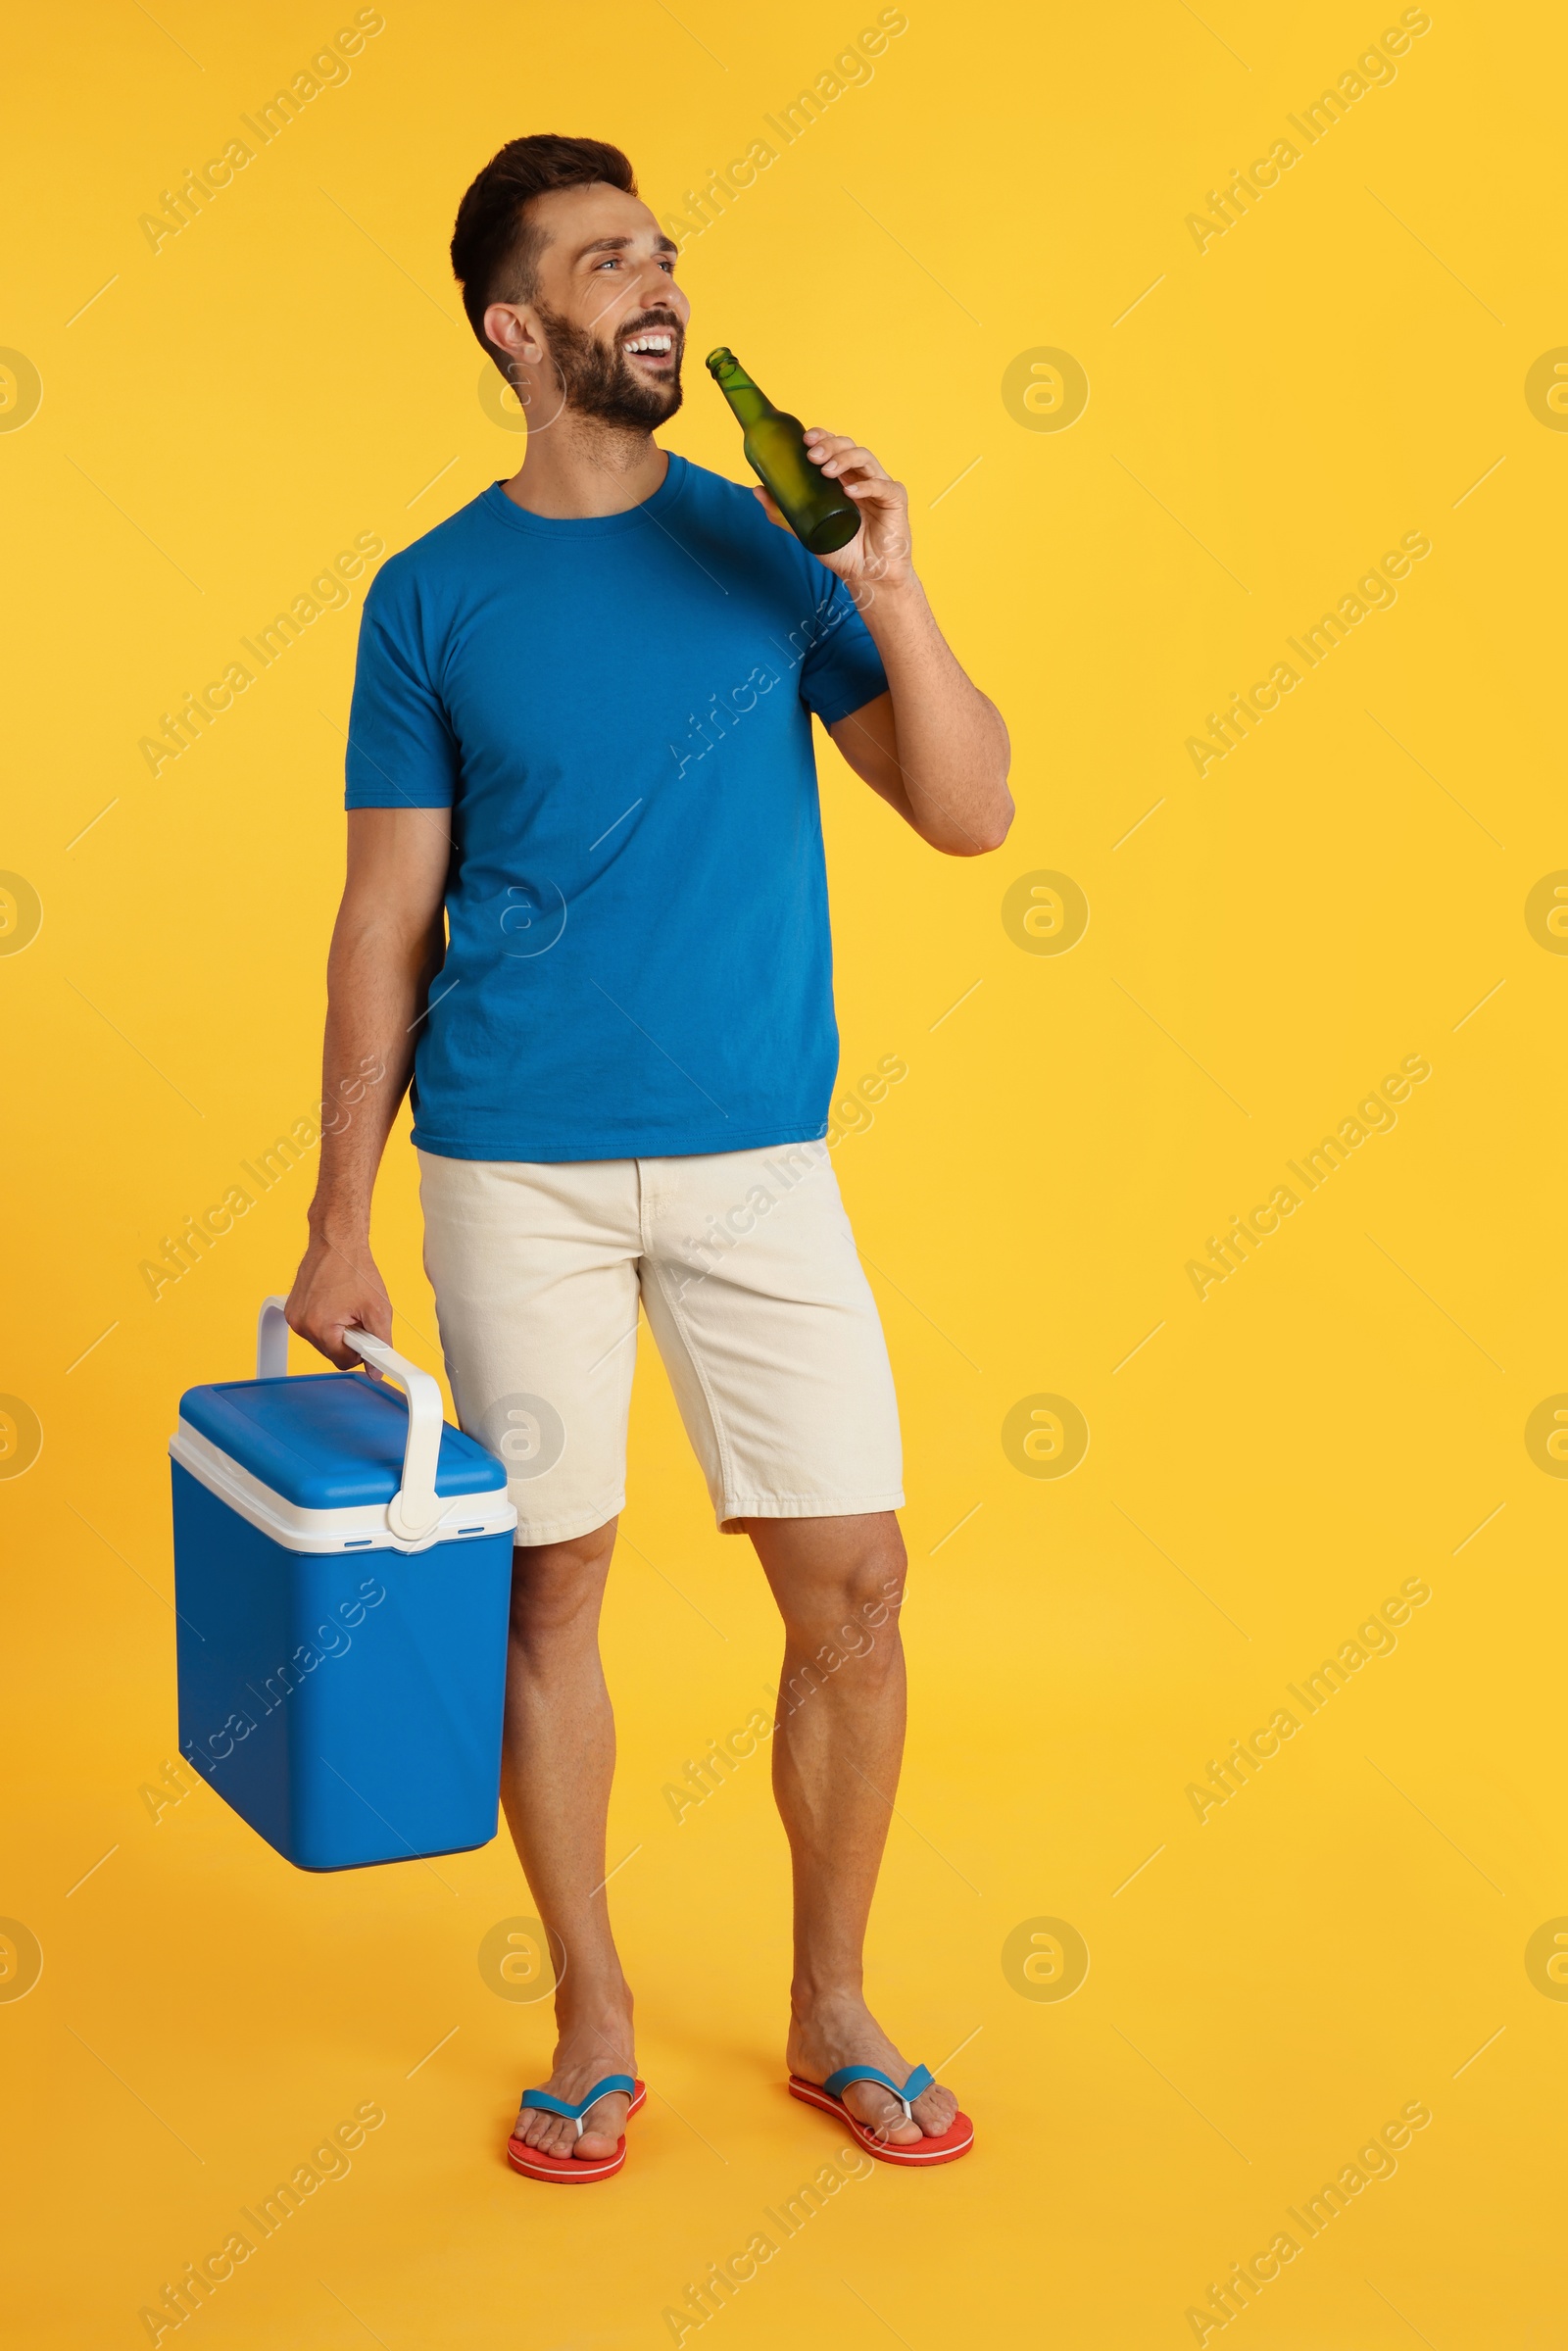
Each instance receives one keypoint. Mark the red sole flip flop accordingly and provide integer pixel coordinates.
(571, 2171)
(954, 2141)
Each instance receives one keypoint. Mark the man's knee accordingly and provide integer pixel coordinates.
(854, 1607)
(553, 1584)
(874, 1588)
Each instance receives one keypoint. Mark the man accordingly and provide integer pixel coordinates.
(581, 729)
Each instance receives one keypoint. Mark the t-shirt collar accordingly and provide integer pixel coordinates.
(494, 501)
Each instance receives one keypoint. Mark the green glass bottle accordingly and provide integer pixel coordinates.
(816, 509)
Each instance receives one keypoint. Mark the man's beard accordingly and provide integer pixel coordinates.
(601, 382)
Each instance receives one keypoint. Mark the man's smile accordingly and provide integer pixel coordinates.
(653, 350)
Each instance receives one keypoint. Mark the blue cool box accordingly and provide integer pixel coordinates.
(342, 1618)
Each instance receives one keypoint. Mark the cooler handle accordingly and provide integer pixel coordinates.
(416, 1508)
(271, 1340)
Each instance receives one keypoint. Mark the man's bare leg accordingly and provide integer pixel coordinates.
(559, 1761)
(836, 1753)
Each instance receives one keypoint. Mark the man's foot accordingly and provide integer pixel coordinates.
(840, 2029)
(583, 2056)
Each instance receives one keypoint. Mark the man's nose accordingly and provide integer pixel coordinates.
(657, 292)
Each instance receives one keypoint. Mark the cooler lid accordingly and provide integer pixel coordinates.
(328, 1441)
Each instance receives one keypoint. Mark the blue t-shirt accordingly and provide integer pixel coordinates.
(617, 710)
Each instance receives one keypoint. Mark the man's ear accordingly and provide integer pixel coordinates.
(513, 333)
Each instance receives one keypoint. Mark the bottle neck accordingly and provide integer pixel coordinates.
(744, 398)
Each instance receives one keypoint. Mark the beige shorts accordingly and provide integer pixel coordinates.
(746, 1266)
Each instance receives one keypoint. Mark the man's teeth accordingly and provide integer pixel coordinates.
(655, 343)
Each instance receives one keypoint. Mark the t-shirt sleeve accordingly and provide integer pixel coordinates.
(402, 752)
(842, 670)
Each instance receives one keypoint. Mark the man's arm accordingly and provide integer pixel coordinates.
(930, 752)
(934, 747)
(386, 944)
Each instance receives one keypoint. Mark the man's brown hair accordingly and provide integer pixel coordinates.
(495, 250)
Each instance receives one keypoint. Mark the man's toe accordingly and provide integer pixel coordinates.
(604, 2130)
(883, 2115)
(935, 2112)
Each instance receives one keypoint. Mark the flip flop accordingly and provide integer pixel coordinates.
(954, 2141)
(535, 2164)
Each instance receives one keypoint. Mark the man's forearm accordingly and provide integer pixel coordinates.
(375, 992)
(953, 746)
(386, 944)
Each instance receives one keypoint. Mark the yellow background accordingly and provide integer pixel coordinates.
(1340, 1940)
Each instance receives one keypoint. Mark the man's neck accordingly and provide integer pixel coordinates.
(578, 467)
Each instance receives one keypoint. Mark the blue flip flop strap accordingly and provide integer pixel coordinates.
(920, 2079)
(546, 2105)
